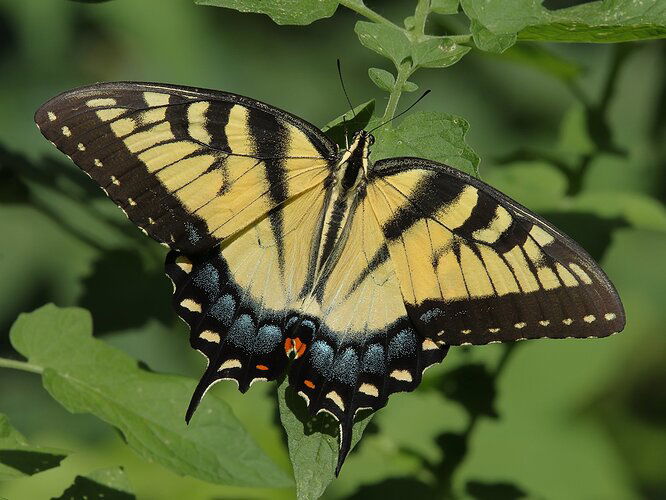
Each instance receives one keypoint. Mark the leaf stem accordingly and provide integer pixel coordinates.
(20, 365)
(404, 71)
(420, 18)
(360, 8)
(460, 38)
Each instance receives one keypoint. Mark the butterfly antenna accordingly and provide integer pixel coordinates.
(345, 90)
(402, 112)
(344, 122)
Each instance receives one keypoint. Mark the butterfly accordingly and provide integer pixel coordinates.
(287, 253)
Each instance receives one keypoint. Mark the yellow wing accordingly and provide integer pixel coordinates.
(191, 167)
(476, 267)
(365, 347)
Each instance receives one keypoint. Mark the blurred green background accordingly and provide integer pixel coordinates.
(574, 132)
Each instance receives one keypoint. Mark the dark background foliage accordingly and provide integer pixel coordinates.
(575, 132)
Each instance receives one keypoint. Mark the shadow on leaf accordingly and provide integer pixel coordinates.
(87, 488)
(118, 283)
(322, 422)
(396, 488)
(30, 462)
(473, 387)
(494, 491)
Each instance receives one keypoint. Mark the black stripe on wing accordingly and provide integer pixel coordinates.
(514, 275)
(149, 146)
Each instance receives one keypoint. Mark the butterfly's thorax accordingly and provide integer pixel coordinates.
(345, 190)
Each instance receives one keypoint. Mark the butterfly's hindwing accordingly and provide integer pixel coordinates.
(475, 267)
(189, 166)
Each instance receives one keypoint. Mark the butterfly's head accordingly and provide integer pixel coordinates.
(354, 163)
(363, 137)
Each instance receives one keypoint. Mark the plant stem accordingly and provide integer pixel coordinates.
(360, 8)
(420, 18)
(404, 71)
(20, 365)
(460, 38)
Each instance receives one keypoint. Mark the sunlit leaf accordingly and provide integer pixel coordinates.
(281, 11)
(486, 40)
(86, 375)
(387, 41)
(432, 135)
(607, 21)
(438, 52)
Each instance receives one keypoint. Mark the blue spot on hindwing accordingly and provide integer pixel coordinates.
(321, 355)
(268, 338)
(345, 367)
(373, 360)
(242, 332)
(208, 279)
(402, 345)
(223, 310)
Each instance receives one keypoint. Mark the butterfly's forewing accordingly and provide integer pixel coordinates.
(189, 166)
(476, 267)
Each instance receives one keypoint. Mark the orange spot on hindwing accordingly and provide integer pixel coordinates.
(288, 345)
(295, 346)
(309, 383)
(262, 367)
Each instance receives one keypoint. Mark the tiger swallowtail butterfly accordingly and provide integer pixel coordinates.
(284, 247)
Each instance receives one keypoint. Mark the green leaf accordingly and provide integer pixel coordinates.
(352, 123)
(382, 78)
(313, 443)
(438, 52)
(540, 57)
(86, 375)
(409, 87)
(386, 81)
(432, 135)
(387, 41)
(574, 132)
(18, 458)
(607, 21)
(444, 6)
(535, 184)
(639, 210)
(109, 484)
(281, 11)
(486, 40)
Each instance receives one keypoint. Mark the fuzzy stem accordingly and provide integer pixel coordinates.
(404, 71)
(420, 18)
